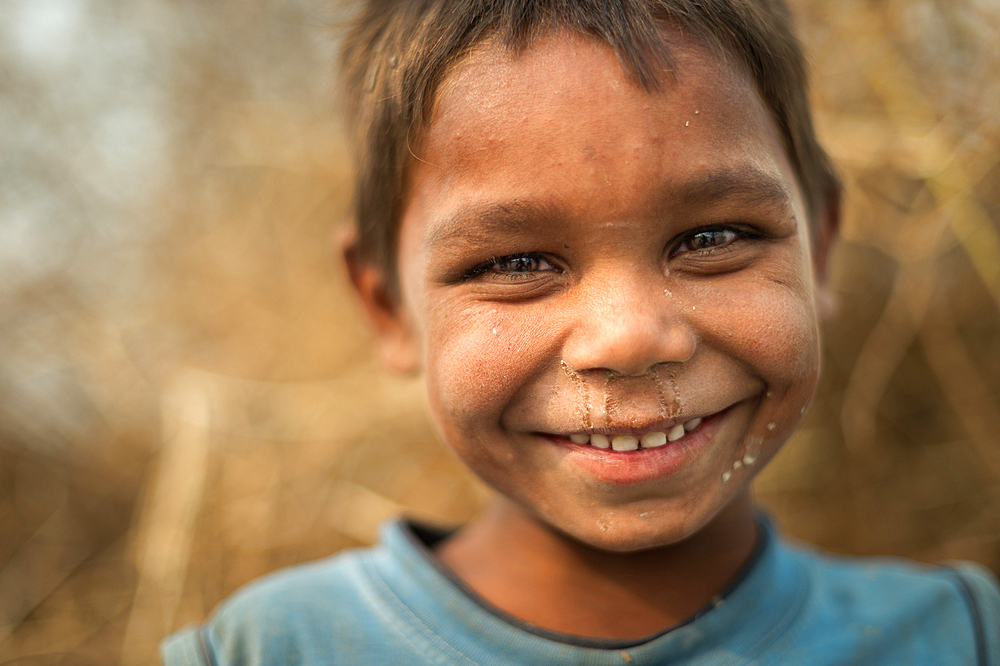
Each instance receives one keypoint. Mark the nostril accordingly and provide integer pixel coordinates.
(628, 348)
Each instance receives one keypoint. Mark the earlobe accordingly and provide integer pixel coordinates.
(393, 330)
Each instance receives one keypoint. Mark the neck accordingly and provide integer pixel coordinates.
(544, 577)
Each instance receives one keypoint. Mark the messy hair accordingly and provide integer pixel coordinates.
(397, 52)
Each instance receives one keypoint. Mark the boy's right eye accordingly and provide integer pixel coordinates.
(511, 267)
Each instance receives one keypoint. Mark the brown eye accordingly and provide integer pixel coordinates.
(708, 240)
(514, 266)
(521, 264)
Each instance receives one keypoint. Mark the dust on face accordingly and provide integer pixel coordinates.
(580, 256)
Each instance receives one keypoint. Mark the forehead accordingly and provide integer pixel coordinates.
(545, 124)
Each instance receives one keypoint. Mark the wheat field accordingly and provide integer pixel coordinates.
(189, 395)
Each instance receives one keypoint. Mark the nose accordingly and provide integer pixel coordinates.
(627, 325)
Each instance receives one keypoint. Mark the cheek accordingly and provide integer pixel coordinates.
(784, 344)
(769, 325)
(771, 328)
(477, 358)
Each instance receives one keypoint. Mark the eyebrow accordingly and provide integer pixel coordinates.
(746, 184)
(479, 224)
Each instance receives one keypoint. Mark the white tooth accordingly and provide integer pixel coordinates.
(579, 439)
(772, 426)
(726, 475)
(675, 433)
(624, 443)
(692, 424)
(600, 441)
(749, 459)
(737, 464)
(651, 440)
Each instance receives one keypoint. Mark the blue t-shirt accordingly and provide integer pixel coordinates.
(395, 604)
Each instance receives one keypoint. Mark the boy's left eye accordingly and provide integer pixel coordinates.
(716, 249)
(520, 264)
(708, 239)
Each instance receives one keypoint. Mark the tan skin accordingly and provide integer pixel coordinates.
(578, 589)
(579, 256)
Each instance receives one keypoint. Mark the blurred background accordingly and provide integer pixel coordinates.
(188, 398)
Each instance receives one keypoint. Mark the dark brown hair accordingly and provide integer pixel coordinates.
(398, 51)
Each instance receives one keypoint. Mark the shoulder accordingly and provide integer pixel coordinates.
(890, 611)
(983, 594)
(293, 616)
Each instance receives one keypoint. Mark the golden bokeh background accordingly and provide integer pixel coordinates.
(189, 396)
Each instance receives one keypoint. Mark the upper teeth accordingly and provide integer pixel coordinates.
(649, 440)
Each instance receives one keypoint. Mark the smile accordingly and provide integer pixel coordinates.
(625, 456)
(635, 441)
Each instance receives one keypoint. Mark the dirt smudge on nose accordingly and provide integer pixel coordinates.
(624, 399)
(674, 408)
(610, 403)
(627, 396)
(613, 410)
(668, 409)
(583, 405)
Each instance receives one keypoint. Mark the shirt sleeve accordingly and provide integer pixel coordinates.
(187, 647)
(983, 595)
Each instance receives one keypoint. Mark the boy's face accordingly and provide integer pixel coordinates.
(579, 257)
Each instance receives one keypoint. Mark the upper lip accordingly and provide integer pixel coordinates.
(635, 431)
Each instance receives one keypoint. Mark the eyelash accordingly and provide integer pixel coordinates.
(496, 262)
(737, 234)
(493, 264)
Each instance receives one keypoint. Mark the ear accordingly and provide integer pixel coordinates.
(826, 231)
(393, 330)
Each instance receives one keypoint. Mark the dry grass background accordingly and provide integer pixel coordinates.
(188, 396)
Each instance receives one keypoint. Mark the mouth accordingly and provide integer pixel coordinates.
(627, 456)
(635, 440)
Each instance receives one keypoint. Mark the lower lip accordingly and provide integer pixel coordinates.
(642, 465)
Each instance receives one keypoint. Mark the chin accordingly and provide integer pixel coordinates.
(629, 534)
(632, 543)
(650, 525)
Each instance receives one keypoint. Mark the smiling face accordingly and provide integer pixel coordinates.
(585, 263)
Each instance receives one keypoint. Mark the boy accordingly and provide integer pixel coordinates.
(599, 231)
